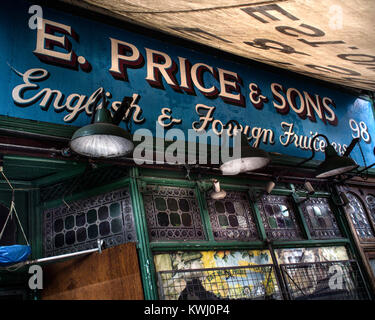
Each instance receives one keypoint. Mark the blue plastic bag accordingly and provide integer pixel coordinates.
(13, 254)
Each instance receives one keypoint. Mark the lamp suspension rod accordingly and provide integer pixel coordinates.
(350, 148)
(353, 174)
(305, 160)
(312, 148)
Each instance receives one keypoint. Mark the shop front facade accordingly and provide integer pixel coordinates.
(279, 232)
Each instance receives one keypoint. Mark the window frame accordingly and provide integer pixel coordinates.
(253, 189)
(139, 177)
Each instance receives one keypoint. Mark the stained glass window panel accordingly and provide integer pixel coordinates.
(231, 218)
(278, 218)
(370, 200)
(172, 213)
(77, 227)
(320, 219)
(357, 213)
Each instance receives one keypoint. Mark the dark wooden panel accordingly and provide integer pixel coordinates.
(111, 275)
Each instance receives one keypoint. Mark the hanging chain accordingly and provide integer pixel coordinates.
(12, 209)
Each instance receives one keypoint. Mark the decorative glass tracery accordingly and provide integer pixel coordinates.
(320, 218)
(370, 200)
(231, 218)
(358, 216)
(172, 213)
(278, 218)
(77, 226)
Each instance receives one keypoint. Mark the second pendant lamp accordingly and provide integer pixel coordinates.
(250, 158)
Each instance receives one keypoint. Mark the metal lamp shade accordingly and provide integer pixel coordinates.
(334, 164)
(102, 139)
(218, 195)
(251, 159)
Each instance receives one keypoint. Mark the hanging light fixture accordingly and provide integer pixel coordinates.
(309, 188)
(333, 164)
(217, 193)
(103, 138)
(251, 158)
(270, 186)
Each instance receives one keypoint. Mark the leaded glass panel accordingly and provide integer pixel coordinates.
(370, 200)
(172, 213)
(77, 227)
(358, 216)
(278, 218)
(320, 218)
(231, 218)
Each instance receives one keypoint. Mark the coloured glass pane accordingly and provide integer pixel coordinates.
(80, 220)
(91, 216)
(103, 213)
(115, 210)
(69, 222)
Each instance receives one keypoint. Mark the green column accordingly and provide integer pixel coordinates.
(144, 250)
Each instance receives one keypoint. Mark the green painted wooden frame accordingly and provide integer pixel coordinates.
(200, 183)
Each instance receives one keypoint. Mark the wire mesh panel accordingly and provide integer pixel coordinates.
(334, 280)
(245, 283)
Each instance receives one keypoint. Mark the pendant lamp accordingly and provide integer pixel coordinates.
(333, 164)
(103, 138)
(250, 159)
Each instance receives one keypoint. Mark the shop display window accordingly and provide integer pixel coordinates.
(307, 273)
(77, 226)
(320, 219)
(231, 218)
(321, 273)
(216, 275)
(172, 213)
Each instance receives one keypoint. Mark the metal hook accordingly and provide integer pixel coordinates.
(100, 243)
(187, 176)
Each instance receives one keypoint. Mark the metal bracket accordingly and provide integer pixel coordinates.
(100, 244)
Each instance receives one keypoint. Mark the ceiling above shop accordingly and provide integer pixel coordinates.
(332, 40)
